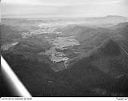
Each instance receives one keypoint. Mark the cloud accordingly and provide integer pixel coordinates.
(66, 8)
(60, 2)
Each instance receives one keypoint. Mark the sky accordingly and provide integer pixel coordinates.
(63, 8)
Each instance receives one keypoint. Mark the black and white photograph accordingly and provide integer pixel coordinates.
(64, 48)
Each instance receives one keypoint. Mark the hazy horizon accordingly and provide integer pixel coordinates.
(65, 8)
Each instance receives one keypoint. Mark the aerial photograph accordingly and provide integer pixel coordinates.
(64, 48)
